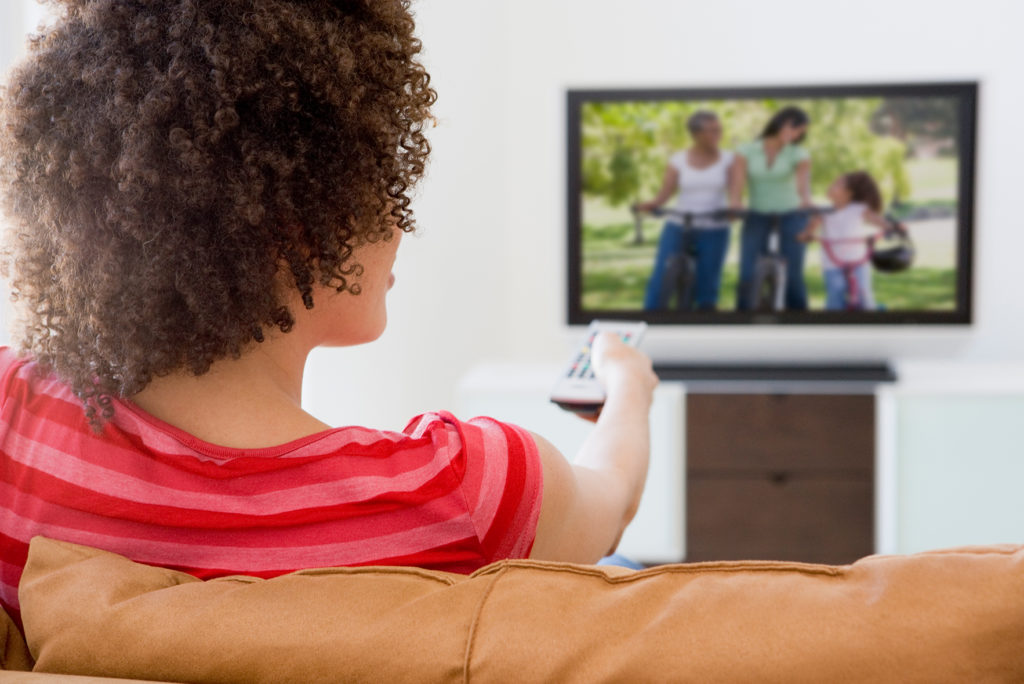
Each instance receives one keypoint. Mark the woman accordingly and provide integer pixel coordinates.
(777, 171)
(700, 176)
(201, 193)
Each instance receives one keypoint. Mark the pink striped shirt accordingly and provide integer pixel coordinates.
(442, 494)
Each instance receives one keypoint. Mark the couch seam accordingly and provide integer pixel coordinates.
(471, 635)
(389, 570)
(673, 569)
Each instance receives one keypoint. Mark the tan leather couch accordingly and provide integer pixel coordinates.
(949, 616)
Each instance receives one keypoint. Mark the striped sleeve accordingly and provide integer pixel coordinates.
(501, 478)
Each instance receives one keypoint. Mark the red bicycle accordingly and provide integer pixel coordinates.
(890, 259)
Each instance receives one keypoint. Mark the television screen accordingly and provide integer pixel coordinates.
(844, 204)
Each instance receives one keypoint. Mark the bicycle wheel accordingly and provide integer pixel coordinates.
(670, 281)
(779, 301)
(685, 282)
(768, 285)
(763, 286)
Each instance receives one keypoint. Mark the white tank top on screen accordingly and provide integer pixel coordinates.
(846, 235)
(702, 190)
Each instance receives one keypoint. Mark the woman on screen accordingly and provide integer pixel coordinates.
(776, 169)
(700, 176)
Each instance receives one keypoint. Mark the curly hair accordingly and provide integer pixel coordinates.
(172, 168)
(863, 189)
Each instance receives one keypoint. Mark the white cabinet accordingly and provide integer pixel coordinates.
(959, 467)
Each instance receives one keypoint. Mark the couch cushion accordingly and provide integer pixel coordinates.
(950, 616)
(13, 651)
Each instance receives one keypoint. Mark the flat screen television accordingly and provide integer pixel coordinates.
(837, 205)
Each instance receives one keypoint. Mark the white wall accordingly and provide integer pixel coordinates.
(17, 18)
(485, 279)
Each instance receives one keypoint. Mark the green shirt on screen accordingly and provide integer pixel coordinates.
(772, 189)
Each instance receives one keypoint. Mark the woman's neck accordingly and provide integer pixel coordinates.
(250, 402)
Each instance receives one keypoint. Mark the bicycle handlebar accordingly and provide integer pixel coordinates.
(718, 215)
(732, 214)
(897, 228)
(799, 211)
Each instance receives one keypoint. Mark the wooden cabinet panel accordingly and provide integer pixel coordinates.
(780, 432)
(796, 518)
(780, 477)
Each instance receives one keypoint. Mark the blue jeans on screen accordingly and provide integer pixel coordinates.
(709, 246)
(754, 242)
(836, 288)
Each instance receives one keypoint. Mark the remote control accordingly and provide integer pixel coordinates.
(578, 390)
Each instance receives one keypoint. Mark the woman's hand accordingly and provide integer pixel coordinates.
(645, 207)
(622, 369)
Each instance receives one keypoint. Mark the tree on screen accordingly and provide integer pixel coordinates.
(626, 145)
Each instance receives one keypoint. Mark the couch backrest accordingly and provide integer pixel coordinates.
(953, 616)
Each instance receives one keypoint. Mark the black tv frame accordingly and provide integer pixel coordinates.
(965, 91)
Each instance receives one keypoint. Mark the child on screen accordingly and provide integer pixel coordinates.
(846, 248)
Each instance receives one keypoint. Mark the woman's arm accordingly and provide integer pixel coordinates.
(803, 182)
(668, 188)
(587, 504)
(737, 181)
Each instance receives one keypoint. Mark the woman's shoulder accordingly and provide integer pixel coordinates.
(10, 363)
(20, 375)
(749, 148)
(500, 474)
(797, 153)
(9, 360)
(481, 436)
(678, 160)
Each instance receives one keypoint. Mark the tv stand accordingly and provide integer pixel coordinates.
(832, 373)
(780, 460)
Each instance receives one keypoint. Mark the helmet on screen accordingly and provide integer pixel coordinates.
(895, 258)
